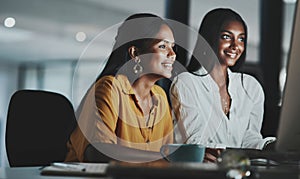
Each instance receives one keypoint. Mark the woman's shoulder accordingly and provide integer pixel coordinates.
(246, 79)
(110, 79)
(107, 78)
(104, 81)
(158, 90)
(119, 82)
(186, 78)
(249, 83)
(185, 75)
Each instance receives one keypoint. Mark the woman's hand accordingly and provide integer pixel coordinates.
(212, 154)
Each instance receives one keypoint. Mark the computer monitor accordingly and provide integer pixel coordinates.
(288, 135)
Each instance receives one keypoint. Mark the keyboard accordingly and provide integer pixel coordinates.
(283, 158)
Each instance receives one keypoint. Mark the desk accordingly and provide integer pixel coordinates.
(195, 171)
(32, 173)
(141, 171)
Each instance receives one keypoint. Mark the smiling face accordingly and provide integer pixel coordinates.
(159, 58)
(231, 43)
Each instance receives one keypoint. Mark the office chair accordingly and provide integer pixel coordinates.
(39, 124)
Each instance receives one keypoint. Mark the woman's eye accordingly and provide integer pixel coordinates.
(242, 39)
(162, 46)
(225, 36)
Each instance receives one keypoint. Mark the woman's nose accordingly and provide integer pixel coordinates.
(234, 45)
(172, 54)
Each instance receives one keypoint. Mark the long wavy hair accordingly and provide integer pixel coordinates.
(210, 30)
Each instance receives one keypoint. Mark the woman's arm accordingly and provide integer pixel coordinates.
(107, 110)
(91, 127)
(253, 137)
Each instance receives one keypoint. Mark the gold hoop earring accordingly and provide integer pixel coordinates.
(137, 68)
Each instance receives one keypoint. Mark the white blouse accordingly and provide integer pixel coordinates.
(200, 119)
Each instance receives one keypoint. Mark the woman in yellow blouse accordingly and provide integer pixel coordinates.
(125, 106)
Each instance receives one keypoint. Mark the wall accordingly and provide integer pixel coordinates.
(8, 81)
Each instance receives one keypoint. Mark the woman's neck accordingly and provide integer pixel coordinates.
(142, 87)
(220, 75)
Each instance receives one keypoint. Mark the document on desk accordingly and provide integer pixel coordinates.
(75, 169)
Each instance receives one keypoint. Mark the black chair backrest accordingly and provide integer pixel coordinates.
(38, 127)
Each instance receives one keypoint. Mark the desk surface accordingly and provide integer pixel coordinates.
(148, 171)
(121, 170)
(32, 173)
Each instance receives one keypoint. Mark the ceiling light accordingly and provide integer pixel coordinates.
(80, 36)
(9, 22)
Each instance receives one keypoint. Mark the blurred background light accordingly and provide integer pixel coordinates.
(290, 1)
(80, 36)
(9, 22)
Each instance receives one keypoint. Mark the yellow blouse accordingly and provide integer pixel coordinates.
(111, 114)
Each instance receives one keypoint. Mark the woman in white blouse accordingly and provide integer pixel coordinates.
(214, 105)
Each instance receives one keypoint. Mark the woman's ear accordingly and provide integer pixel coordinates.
(133, 52)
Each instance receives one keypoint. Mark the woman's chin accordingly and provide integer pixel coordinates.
(168, 75)
(231, 63)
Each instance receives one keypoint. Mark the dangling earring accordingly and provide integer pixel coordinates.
(137, 67)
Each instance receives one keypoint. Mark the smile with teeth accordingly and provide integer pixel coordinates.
(231, 55)
(167, 65)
